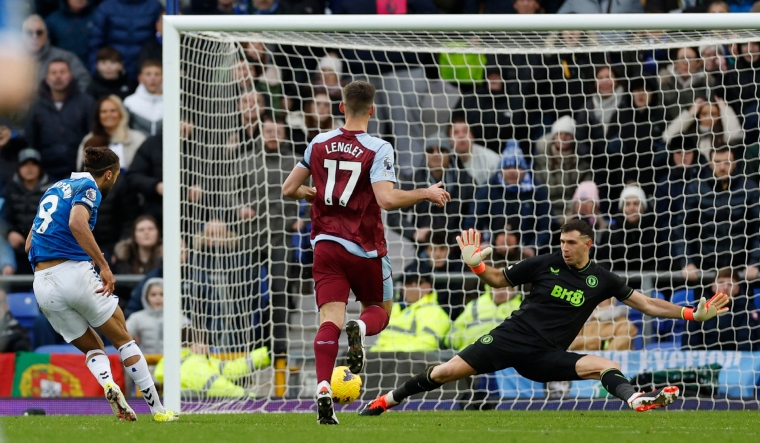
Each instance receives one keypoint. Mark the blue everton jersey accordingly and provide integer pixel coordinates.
(52, 237)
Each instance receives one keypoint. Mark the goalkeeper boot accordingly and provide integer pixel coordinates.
(118, 403)
(376, 407)
(165, 416)
(356, 357)
(655, 399)
(325, 409)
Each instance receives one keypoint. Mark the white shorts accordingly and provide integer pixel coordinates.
(66, 295)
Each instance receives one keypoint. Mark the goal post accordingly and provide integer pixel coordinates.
(221, 38)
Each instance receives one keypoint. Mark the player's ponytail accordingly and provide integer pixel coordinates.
(98, 160)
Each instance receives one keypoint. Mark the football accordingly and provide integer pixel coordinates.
(346, 386)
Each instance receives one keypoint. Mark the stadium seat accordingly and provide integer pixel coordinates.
(23, 307)
(669, 332)
(67, 349)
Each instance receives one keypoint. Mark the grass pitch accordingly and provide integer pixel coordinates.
(416, 427)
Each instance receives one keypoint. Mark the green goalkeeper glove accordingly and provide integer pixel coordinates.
(707, 309)
(469, 243)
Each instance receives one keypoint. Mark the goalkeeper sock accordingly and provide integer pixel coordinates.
(421, 382)
(140, 374)
(616, 384)
(100, 366)
(375, 318)
(326, 350)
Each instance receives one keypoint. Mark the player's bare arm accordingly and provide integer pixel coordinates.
(389, 197)
(80, 229)
(28, 244)
(654, 307)
(294, 185)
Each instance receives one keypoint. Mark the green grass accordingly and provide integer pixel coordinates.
(416, 427)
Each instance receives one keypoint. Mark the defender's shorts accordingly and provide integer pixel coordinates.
(336, 271)
(66, 295)
(510, 346)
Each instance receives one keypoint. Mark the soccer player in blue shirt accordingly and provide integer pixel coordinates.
(71, 294)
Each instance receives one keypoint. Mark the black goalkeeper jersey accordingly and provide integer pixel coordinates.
(562, 298)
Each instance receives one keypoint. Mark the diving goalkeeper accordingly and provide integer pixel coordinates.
(566, 287)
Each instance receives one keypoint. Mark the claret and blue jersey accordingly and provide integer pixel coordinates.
(52, 237)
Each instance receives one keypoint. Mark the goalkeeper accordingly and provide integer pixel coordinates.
(566, 287)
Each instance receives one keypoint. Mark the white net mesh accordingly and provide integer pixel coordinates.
(617, 128)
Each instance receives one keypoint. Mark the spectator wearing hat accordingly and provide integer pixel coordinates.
(110, 77)
(70, 25)
(642, 124)
(586, 206)
(418, 323)
(37, 43)
(328, 76)
(513, 196)
(631, 238)
(495, 110)
(558, 165)
(22, 194)
(477, 160)
(419, 224)
(58, 120)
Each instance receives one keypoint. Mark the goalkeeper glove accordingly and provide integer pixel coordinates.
(707, 309)
(469, 243)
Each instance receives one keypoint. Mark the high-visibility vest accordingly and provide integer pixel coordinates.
(418, 328)
(215, 377)
(480, 316)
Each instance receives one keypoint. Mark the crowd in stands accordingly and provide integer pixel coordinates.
(657, 149)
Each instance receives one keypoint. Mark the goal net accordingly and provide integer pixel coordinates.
(626, 129)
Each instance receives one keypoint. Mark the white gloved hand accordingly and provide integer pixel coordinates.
(708, 309)
(469, 243)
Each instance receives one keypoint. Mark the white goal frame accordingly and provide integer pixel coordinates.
(174, 25)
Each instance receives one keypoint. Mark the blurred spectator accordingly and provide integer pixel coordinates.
(226, 7)
(721, 225)
(482, 315)
(145, 176)
(418, 323)
(146, 105)
(642, 123)
(265, 163)
(631, 244)
(738, 329)
(153, 49)
(147, 325)
(58, 120)
(714, 124)
(721, 80)
(683, 82)
(514, 197)
(718, 7)
(110, 77)
(495, 114)
(383, 7)
(7, 258)
(138, 254)
(13, 336)
(118, 209)
(607, 329)
(36, 41)
(748, 69)
(564, 77)
(22, 195)
(46, 7)
(585, 206)
(435, 260)
(685, 165)
(10, 145)
(70, 25)
(420, 223)
(601, 7)
(264, 75)
(478, 161)
(330, 70)
(124, 25)
(112, 123)
(315, 118)
(558, 165)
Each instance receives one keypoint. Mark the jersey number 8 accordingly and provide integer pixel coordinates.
(46, 213)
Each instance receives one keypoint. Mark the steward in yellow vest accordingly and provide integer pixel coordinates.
(213, 377)
(420, 326)
(483, 314)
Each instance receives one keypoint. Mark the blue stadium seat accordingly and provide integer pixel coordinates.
(68, 349)
(669, 331)
(23, 307)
